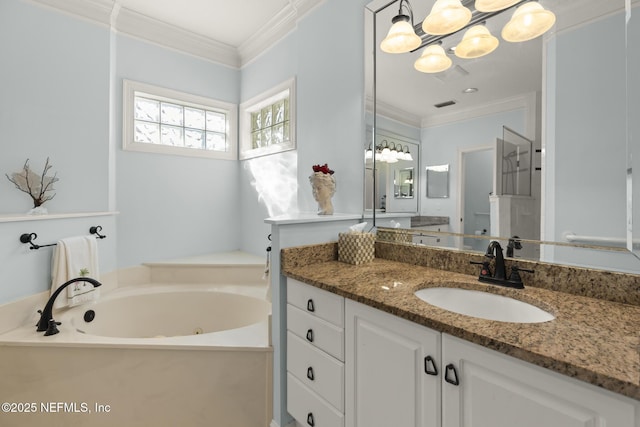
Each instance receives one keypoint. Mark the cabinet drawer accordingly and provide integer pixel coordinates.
(317, 332)
(316, 370)
(308, 408)
(316, 302)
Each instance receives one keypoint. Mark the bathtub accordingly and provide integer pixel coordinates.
(187, 354)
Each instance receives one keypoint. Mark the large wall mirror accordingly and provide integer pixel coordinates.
(563, 104)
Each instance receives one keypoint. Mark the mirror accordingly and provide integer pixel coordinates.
(438, 182)
(553, 91)
(403, 183)
(394, 185)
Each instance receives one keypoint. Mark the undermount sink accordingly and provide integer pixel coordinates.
(484, 305)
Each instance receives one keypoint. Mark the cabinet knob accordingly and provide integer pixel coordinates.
(451, 370)
(310, 373)
(430, 367)
(310, 419)
(310, 306)
(310, 335)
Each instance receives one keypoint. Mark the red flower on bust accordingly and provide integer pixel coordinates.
(324, 169)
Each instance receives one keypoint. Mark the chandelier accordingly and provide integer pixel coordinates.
(447, 17)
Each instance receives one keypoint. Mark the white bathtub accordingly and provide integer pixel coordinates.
(188, 354)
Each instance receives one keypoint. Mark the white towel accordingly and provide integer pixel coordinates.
(74, 257)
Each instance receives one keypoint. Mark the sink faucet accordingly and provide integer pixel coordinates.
(494, 251)
(46, 322)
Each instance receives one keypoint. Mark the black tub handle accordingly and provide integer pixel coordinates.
(310, 374)
(310, 335)
(310, 306)
(310, 419)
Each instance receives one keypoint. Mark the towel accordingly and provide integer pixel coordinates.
(74, 257)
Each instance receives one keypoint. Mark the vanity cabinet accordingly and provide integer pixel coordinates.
(399, 373)
(501, 391)
(315, 356)
(392, 370)
(424, 238)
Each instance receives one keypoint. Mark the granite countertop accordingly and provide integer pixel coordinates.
(593, 340)
(423, 221)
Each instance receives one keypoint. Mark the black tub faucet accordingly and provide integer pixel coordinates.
(46, 322)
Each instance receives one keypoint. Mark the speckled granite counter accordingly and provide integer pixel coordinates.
(593, 340)
(423, 221)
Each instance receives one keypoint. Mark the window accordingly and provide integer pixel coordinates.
(160, 120)
(268, 122)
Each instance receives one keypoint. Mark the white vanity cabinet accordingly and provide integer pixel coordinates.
(501, 391)
(392, 370)
(424, 238)
(315, 356)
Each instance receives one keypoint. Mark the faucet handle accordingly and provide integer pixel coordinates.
(53, 328)
(485, 271)
(515, 274)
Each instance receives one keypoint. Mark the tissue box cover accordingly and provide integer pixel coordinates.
(356, 248)
(392, 235)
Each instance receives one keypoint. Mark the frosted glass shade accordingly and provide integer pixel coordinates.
(528, 22)
(493, 5)
(447, 16)
(401, 37)
(476, 42)
(433, 60)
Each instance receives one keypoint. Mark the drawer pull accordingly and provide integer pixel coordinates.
(310, 373)
(310, 306)
(452, 369)
(310, 335)
(310, 419)
(430, 367)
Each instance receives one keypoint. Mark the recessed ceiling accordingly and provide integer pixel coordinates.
(231, 22)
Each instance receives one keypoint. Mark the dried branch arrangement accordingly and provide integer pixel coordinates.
(39, 187)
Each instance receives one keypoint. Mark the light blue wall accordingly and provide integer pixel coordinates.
(442, 144)
(173, 206)
(588, 147)
(54, 102)
(69, 107)
(329, 72)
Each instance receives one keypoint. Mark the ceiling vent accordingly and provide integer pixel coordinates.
(445, 104)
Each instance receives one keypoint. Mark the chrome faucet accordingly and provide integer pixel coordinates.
(46, 322)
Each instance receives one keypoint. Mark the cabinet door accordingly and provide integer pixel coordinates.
(500, 391)
(385, 360)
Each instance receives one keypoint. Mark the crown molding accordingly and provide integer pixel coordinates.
(525, 101)
(141, 26)
(275, 29)
(394, 113)
(135, 24)
(98, 11)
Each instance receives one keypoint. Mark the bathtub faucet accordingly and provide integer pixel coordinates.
(46, 322)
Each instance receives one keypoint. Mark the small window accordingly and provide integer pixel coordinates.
(268, 122)
(160, 120)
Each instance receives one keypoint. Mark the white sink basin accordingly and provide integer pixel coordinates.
(484, 305)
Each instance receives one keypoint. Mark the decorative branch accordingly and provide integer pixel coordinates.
(39, 187)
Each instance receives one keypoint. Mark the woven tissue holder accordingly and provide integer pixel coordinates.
(356, 247)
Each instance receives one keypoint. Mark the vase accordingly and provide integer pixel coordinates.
(324, 187)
